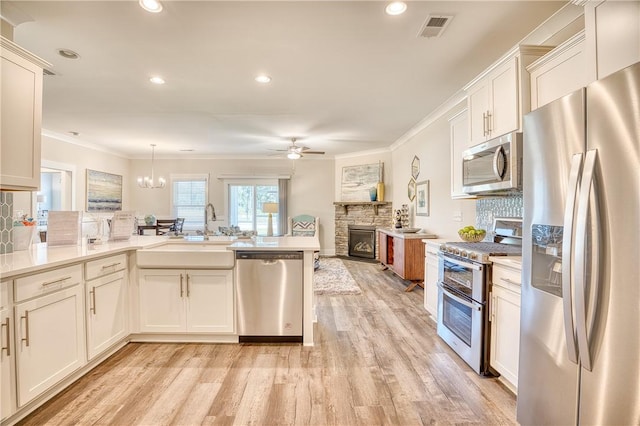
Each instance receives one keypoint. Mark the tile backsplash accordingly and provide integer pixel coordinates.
(6, 222)
(489, 208)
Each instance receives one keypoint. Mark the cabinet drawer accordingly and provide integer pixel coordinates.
(47, 282)
(105, 266)
(506, 277)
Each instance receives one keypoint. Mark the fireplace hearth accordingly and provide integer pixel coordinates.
(362, 241)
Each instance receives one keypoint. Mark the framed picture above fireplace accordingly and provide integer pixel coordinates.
(422, 198)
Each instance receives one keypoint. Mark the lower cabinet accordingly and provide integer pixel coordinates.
(505, 325)
(106, 312)
(50, 340)
(431, 279)
(7, 354)
(177, 301)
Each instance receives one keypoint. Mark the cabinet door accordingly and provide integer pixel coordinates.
(106, 312)
(161, 300)
(431, 284)
(503, 92)
(382, 247)
(398, 256)
(50, 341)
(7, 383)
(613, 35)
(505, 333)
(478, 107)
(459, 136)
(209, 299)
(21, 106)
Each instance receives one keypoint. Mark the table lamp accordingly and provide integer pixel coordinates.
(270, 208)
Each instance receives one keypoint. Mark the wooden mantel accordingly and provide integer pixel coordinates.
(345, 205)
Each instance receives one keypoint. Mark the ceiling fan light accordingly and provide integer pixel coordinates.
(293, 155)
(396, 8)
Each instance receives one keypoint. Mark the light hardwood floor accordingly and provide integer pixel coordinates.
(377, 360)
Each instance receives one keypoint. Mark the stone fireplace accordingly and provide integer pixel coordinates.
(362, 241)
(373, 215)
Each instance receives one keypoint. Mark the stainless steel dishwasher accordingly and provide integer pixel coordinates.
(270, 296)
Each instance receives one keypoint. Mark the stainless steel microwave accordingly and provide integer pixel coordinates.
(493, 166)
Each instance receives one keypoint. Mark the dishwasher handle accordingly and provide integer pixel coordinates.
(269, 255)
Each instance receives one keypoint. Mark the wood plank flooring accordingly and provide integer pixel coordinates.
(377, 360)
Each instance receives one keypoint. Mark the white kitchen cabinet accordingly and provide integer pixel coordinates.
(7, 353)
(193, 301)
(106, 310)
(21, 106)
(612, 36)
(50, 336)
(459, 135)
(431, 278)
(559, 72)
(497, 98)
(505, 324)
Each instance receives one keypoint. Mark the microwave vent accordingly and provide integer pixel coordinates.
(435, 25)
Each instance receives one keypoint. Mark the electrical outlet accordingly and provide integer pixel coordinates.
(457, 216)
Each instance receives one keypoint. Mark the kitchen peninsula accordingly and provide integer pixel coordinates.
(68, 308)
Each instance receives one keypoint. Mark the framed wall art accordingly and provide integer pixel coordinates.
(422, 198)
(104, 191)
(411, 189)
(415, 167)
(358, 180)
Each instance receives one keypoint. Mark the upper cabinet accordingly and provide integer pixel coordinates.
(497, 98)
(459, 128)
(20, 128)
(561, 71)
(612, 36)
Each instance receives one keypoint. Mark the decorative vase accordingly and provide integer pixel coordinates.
(380, 191)
(373, 193)
(150, 219)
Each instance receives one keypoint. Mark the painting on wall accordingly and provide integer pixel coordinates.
(358, 180)
(104, 191)
(422, 198)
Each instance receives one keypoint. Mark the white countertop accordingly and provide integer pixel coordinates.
(407, 235)
(41, 256)
(277, 244)
(512, 261)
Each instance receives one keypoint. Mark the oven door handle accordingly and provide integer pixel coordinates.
(461, 263)
(458, 299)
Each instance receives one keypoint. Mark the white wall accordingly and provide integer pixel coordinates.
(310, 188)
(83, 158)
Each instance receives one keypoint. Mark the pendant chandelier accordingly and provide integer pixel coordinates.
(149, 182)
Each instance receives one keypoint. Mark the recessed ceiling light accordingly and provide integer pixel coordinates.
(187, 150)
(68, 54)
(263, 79)
(396, 8)
(153, 6)
(157, 80)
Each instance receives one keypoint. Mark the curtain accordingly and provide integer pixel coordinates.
(283, 215)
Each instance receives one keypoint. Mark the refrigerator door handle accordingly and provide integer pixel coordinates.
(567, 256)
(581, 255)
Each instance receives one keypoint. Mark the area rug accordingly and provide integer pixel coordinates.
(332, 277)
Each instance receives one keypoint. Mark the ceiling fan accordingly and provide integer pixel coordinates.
(295, 151)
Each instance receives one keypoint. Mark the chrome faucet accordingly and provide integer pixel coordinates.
(207, 216)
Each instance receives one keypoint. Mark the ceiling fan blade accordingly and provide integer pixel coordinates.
(313, 152)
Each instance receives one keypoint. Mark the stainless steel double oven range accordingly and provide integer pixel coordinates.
(464, 281)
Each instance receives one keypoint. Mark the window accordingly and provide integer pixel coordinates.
(245, 206)
(189, 199)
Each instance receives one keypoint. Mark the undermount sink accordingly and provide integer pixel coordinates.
(183, 254)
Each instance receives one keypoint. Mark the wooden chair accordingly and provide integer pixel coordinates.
(305, 225)
(164, 225)
(177, 225)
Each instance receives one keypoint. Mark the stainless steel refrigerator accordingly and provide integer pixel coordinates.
(580, 318)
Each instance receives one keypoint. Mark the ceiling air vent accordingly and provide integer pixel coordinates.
(435, 25)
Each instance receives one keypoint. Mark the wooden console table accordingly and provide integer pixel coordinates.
(403, 253)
